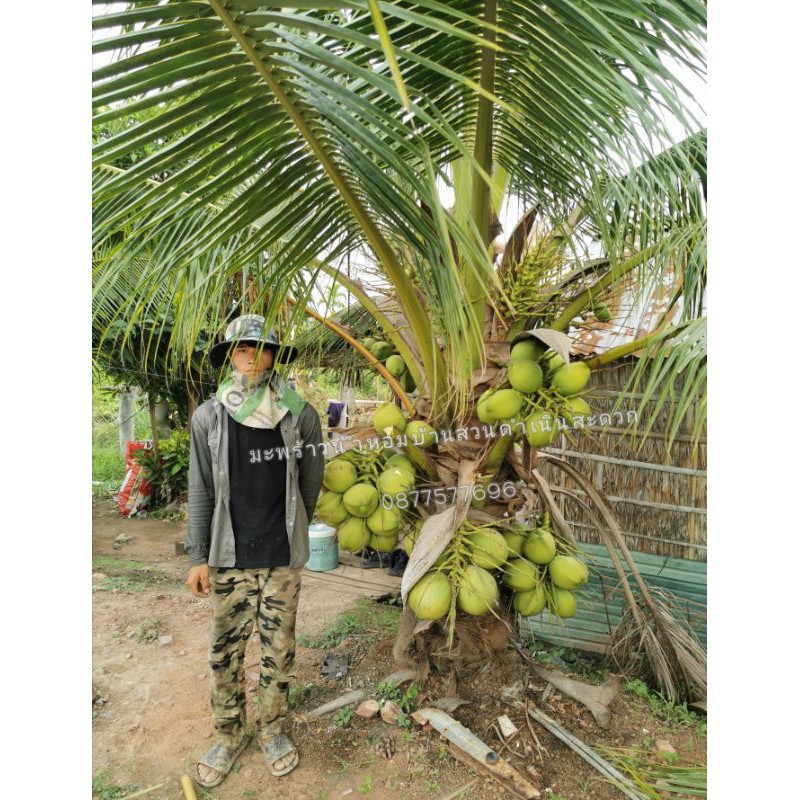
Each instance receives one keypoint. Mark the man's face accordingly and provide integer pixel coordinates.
(245, 359)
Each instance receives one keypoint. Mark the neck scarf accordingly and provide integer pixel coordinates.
(260, 402)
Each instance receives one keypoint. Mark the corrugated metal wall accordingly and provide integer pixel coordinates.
(600, 602)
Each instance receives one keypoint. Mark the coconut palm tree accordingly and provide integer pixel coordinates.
(297, 134)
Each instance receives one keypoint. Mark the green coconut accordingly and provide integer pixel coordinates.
(431, 596)
(563, 603)
(477, 502)
(385, 521)
(570, 378)
(552, 361)
(401, 461)
(536, 429)
(530, 603)
(531, 349)
(525, 375)
(540, 547)
(520, 575)
(515, 539)
(361, 499)
(388, 415)
(353, 534)
(477, 591)
(339, 475)
(601, 312)
(368, 342)
(394, 481)
(568, 572)
(504, 404)
(483, 414)
(383, 543)
(489, 548)
(410, 539)
(381, 350)
(417, 429)
(395, 365)
(576, 407)
(330, 508)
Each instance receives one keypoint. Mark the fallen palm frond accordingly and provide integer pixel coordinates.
(655, 781)
(626, 651)
(675, 659)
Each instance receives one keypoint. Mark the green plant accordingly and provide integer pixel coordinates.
(651, 780)
(670, 710)
(167, 472)
(249, 794)
(149, 631)
(130, 575)
(406, 700)
(298, 692)
(365, 616)
(103, 790)
(366, 786)
(343, 717)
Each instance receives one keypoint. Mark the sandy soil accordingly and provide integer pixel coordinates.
(151, 714)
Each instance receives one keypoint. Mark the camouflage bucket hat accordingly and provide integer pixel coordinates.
(250, 329)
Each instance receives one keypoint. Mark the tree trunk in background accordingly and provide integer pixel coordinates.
(194, 401)
(126, 422)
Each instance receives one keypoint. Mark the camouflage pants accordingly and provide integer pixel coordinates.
(240, 597)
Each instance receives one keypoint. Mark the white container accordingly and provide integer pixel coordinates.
(323, 548)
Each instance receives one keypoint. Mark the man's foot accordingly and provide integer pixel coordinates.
(215, 765)
(281, 754)
(208, 776)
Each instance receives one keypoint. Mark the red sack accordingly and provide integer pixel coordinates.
(134, 495)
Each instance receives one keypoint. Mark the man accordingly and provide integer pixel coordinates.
(255, 473)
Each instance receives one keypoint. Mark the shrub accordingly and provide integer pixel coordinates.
(169, 473)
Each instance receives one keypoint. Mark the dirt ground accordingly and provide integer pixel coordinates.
(152, 720)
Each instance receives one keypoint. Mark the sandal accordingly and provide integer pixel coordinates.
(220, 758)
(275, 749)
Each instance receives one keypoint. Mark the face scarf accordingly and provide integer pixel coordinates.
(260, 402)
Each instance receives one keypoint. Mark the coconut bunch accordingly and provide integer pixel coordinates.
(541, 388)
(539, 569)
(395, 365)
(355, 482)
(363, 485)
(543, 571)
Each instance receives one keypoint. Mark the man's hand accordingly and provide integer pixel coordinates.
(198, 582)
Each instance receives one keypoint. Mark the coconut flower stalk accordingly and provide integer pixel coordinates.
(243, 152)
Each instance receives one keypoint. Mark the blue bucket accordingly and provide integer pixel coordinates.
(323, 548)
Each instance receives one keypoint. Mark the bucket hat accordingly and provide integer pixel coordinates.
(251, 329)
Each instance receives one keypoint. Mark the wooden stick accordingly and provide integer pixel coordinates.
(145, 791)
(339, 702)
(585, 752)
(457, 792)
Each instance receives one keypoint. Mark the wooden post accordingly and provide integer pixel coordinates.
(151, 403)
(349, 399)
(126, 421)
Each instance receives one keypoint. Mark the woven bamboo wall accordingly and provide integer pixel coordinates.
(673, 530)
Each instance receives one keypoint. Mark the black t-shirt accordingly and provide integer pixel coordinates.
(258, 496)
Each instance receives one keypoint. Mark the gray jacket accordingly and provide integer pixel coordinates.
(210, 537)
